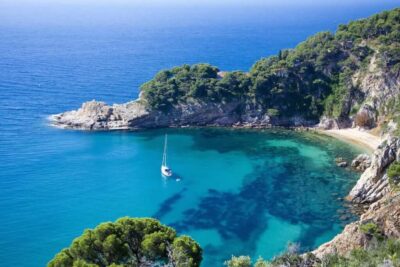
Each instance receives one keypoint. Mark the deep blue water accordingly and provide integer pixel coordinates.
(241, 191)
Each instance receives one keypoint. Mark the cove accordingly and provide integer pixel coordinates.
(241, 191)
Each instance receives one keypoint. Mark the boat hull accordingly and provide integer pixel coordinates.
(165, 171)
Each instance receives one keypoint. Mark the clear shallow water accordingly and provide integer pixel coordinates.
(241, 192)
(246, 192)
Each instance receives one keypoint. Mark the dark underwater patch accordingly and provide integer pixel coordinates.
(167, 205)
(284, 184)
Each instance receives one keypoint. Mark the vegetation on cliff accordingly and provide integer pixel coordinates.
(199, 82)
(311, 80)
(130, 242)
(379, 253)
(394, 175)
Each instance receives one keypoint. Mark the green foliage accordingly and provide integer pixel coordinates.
(383, 26)
(186, 252)
(387, 251)
(384, 253)
(287, 259)
(261, 263)
(372, 230)
(393, 173)
(241, 261)
(194, 83)
(334, 102)
(130, 242)
(272, 112)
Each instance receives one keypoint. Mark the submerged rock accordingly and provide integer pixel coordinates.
(340, 162)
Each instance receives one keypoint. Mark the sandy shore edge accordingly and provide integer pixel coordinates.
(355, 136)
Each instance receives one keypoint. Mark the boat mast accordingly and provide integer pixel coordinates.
(164, 163)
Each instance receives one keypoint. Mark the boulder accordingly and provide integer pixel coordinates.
(95, 115)
(361, 162)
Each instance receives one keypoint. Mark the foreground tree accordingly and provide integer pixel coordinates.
(132, 242)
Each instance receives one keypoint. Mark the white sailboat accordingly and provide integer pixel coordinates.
(165, 170)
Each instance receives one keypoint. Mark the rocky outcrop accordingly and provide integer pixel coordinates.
(372, 189)
(95, 115)
(385, 213)
(373, 183)
(341, 162)
(377, 85)
(327, 123)
(361, 162)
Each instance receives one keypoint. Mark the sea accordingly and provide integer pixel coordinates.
(239, 192)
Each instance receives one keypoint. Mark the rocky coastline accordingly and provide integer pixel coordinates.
(95, 115)
(381, 203)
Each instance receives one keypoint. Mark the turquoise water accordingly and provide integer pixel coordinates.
(242, 192)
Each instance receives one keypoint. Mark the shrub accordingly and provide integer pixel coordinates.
(393, 173)
(241, 261)
(130, 242)
(372, 230)
(362, 119)
(272, 112)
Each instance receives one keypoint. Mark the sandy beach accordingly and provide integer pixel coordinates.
(356, 136)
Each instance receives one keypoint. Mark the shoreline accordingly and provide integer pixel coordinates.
(361, 138)
(355, 136)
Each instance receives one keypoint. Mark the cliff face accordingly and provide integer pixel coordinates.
(373, 88)
(376, 84)
(383, 204)
(385, 214)
(373, 183)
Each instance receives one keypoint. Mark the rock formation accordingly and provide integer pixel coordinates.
(94, 115)
(373, 189)
(373, 183)
(385, 213)
(361, 162)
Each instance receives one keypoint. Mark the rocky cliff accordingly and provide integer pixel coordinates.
(382, 202)
(385, 214)
(373, 183)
